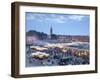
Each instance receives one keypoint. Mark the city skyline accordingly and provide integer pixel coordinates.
(62, 24)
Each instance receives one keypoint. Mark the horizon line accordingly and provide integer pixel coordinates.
(61, 34)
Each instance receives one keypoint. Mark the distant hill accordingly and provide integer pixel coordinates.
(40, 35)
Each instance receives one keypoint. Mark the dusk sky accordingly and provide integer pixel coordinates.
(63, 24)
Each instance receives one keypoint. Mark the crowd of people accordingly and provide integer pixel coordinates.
(60, 56)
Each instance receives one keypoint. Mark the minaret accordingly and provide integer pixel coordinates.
(51, 32)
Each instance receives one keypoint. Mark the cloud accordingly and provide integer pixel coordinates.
(35, 16)
(76, 17)
(30, 17)
(59, 20)
(56, 18)
(63, 18)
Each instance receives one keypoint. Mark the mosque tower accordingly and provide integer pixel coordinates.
(51, 32)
